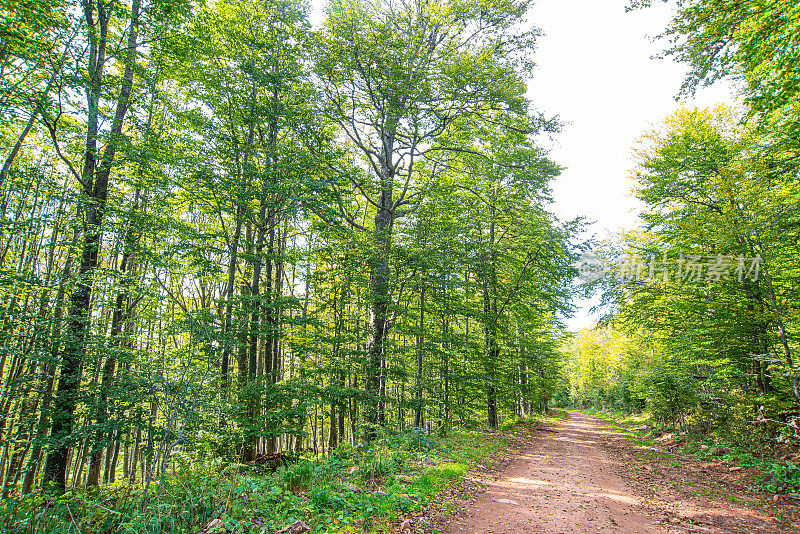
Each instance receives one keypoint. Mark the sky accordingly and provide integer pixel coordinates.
(596, 72)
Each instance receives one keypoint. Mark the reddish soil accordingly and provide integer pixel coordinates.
(580, 476)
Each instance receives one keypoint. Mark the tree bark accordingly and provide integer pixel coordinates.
(491, 318)
(379, 285)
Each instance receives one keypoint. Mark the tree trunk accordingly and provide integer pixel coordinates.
(49, 373)
(418, 413)
(228, 338)
(119, 316)
(379, 286)
(95, 188)
(491, 318)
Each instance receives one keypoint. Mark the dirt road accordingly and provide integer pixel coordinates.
(575, 477)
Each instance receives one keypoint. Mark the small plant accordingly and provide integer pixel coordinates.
(782, 478)
(402, 503)
(415, 439)
(324, 498)
(376, 468)
(297, 476)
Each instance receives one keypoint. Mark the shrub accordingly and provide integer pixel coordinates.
(782, 478)
(414, 439)
(375, 468)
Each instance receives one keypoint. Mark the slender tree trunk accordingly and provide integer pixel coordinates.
(251, 440)
(491, 342)
(787, 351)
(119, 315)
(340, 410)
(333, 438)
(229, 338)
(418, 412)
(49, 371)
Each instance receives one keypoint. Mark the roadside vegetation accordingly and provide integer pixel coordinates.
(701, 329)
(777, 470)
(353, 489)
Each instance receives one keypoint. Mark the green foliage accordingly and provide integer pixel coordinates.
(774, 476)
(756, 43)
(713, 354)
(310, 490)
(325, 498)
(189, 277)
(414, 439)
(708, 353)
(296, 476)
(782, 478)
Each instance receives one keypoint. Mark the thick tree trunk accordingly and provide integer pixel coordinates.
(379, 282)
(379, 286)
(96, 190)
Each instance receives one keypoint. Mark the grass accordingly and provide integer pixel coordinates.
(354, 489)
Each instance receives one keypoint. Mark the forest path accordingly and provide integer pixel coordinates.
(579, 476)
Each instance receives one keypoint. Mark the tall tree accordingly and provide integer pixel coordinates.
(395, 76)
(94, 179)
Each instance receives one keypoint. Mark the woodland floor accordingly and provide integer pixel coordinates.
(579, 476)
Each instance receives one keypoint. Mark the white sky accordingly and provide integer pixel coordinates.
(596, 73)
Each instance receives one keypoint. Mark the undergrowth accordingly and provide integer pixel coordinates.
(774, 475)
(355, 488)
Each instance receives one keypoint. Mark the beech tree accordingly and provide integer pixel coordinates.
(395, 77)
(94, 179)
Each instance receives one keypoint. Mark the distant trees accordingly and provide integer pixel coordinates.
(709, 313)
(396, 77)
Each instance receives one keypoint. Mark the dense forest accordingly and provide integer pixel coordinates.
(224, 231)
(229, 236)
